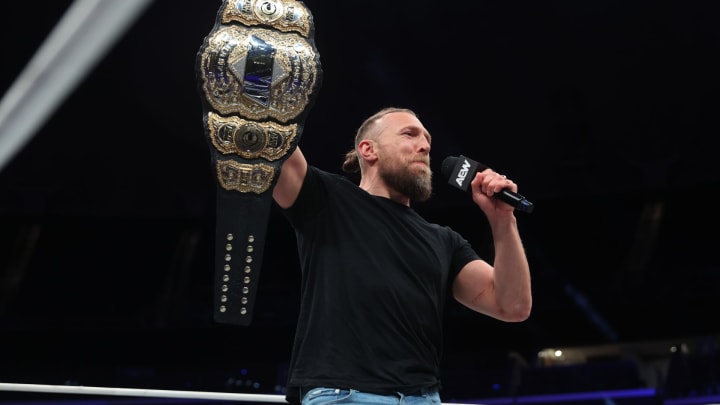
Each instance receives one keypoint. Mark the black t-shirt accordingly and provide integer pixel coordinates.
(375, 277)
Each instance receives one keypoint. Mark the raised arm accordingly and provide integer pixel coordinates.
(501, 290)
(291, 179)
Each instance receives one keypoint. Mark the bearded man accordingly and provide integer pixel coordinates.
(376, 275)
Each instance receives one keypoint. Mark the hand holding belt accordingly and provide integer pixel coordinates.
(258, 75)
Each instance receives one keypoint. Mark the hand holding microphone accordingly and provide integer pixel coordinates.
(459, 171)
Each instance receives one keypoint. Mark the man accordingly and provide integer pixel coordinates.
(375, 275)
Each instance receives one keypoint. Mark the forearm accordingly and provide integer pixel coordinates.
(511, 276)
(291, 178)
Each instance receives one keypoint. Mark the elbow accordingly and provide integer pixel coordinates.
(522, 314)
(518, 312)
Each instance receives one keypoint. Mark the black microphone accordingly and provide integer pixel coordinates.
(461, 170)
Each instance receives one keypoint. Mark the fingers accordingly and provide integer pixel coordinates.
(492, 182)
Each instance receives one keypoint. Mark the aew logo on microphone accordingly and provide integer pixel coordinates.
(463, 171)
(462, 174)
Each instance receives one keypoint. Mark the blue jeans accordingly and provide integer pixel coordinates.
(326, 396)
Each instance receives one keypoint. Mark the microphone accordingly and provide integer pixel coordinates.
(461, 170)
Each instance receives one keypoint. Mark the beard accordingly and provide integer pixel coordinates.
(413, 182)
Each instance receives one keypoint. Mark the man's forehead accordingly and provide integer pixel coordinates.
(402, 120)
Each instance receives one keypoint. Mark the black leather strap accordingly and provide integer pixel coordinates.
(258, 74)
(239, 251)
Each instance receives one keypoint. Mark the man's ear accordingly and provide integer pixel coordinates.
(366, 150)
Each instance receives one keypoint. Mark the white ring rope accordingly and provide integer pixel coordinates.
(141, 392)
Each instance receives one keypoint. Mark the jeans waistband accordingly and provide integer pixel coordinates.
(411, 393)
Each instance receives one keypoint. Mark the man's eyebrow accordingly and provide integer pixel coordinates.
(415, 128)
(420, 129)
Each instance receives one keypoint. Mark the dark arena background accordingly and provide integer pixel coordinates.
(604, 112)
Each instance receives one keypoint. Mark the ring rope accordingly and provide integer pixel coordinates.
(142, 392)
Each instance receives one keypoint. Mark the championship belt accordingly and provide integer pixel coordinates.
(258, 73)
